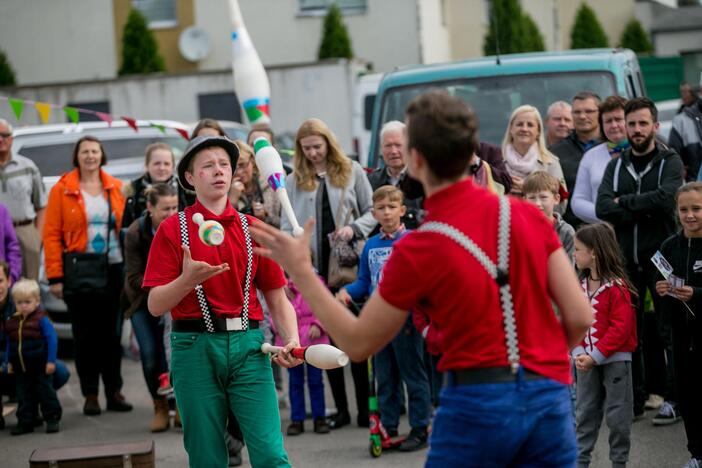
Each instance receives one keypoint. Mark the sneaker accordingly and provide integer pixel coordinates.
(392, 431)
(693, 463)
(667, 414)
(321, 426)
(296, 428)
(52, 426)
(164, 385)
(654, 402)
(20, 429)
(416, 440)
(339, 420)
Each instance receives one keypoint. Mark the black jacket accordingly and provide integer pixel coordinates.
(413, 216)
(685, 256)
(645, 213)
(686, 138)
(135, 203)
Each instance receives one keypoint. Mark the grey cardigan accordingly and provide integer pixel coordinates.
(358, 200)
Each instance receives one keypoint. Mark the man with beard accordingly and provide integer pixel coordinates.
(637, 196)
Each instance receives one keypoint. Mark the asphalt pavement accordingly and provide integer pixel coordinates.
(655, 447)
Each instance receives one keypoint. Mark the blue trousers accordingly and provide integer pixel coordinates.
(33, 391)
(149, 334)
(402, 360)
(315, 384)
(521, 423)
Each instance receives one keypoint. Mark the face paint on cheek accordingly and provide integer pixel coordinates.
(201, 174)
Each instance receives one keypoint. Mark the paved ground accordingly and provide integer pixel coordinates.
(347, 447)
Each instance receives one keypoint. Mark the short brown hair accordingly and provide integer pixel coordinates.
(445, 131)
(541, 181)
(687, 188)
(76, 149)
(5, 268)
(639, 103)
(388, 191)
(610, 104)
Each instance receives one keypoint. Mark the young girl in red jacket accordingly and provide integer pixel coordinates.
(603, 359)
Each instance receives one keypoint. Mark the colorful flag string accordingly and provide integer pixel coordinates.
(73, 113)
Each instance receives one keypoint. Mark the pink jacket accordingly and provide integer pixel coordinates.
(305, 319)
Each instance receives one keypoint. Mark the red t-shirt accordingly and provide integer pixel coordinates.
(432, 273)
(225, 291)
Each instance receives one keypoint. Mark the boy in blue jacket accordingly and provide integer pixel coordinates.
(403, 358)
(31, 351)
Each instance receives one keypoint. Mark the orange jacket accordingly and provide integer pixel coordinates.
(65, 222)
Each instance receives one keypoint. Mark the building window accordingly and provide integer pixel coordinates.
(159, 13)
(319, 7)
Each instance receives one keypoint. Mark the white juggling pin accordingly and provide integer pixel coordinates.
(250, 79)
(210, 232)
(270, 165)
(321, 356)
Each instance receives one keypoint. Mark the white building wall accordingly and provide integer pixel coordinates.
(58, 40)
(386, 34)
(676, 43)
(433, 31)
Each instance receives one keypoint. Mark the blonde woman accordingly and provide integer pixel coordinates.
(524, 149)
(249, 193)
(334, 190)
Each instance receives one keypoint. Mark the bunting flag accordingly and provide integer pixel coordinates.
(43, 109)
(104, 117)
(160, 127)
(17, 107)
(131, 122)
(183, 133)
(72, 113)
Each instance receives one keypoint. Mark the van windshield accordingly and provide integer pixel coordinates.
(494, 98)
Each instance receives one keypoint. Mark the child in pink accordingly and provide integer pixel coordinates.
(311, 333)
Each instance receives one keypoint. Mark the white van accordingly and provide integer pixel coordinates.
(364, 102)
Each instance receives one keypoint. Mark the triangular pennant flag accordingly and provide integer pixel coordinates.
(183, 133)
(44, 109)
(72, 113)
(131, 122)
(17, 107)
(104, 117)
(160, 127)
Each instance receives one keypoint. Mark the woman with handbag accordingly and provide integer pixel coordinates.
(331, 188)
(83, 264)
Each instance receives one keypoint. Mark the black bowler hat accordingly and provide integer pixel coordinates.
(199, 143)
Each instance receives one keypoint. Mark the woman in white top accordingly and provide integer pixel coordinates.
(524, 149)
(595, 160)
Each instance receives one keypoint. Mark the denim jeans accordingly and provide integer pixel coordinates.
(149, 334)
(402, 360)
(521, 423)
(35, 391)
(315, 383)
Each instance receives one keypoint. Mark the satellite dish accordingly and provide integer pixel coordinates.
(194, 44)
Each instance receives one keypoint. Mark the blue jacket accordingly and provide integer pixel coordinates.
(375, 253)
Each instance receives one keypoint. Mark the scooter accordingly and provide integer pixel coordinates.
(379, 438)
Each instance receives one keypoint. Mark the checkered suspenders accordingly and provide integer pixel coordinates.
(200, 292)
(498, 272)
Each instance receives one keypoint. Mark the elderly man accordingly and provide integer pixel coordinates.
(585, 135)
(393, 143)
(22, 191)
(558, 123)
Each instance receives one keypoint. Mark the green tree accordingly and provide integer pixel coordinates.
(7, 74)
(335, 38)
(587, 31)
(532, 39)
(139, 47)
(634, 37)
(516, 30)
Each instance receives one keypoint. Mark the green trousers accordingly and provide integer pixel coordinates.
(213, 371)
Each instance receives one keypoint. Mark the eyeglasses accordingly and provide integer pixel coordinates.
(6, 135)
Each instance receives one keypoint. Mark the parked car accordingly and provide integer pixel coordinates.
(666, 111)
(51, 148)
